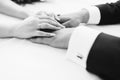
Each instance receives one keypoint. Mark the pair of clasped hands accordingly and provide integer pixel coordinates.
(48, 29)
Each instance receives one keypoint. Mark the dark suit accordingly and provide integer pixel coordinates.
(24, 1)
(110, 13)
(104, 56)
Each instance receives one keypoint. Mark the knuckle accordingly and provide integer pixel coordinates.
(46, 24)
(50, 21)
(50, 18)
(47, 34)
(41, 25)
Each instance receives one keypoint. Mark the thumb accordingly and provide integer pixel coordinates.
(63, 18)
(67, 24)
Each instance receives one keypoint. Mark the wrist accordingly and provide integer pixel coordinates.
(14, 30)
(84, 15)
(69, 37)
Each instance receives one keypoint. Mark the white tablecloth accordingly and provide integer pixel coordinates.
(23, 60)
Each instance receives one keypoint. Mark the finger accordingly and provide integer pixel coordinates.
(48, 26)
(37, 40)
(41, 13)
(51, 20)
(56, 17)
(44, 12)
(63, 18)
(43, 34)
(52, 23)
(52, 15)
(67, 24)
(47, 17)
(46, 41)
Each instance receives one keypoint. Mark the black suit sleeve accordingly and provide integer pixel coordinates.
(104, 57)
(110, 13)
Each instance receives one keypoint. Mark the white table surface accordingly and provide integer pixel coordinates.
(23, 60)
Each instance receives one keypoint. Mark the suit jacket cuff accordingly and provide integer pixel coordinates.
(94, 15)
(80, 44)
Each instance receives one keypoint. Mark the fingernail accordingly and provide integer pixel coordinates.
(58, 14)
(59, 27)
(51, 34)
(57, 18)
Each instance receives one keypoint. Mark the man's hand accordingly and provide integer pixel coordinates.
(74, 19)
(33, 26)
(60, 40)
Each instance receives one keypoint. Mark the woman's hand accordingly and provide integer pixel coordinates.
(31, 27)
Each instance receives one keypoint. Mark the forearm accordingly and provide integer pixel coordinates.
(12, 9)
(6, 31)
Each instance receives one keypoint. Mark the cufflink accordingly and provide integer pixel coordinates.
(79, 57)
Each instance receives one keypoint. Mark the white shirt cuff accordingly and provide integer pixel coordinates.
(94, 15)
(80, 44)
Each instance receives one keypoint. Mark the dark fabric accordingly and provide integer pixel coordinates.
(104, 57)
(110, 13)
(25, 1)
